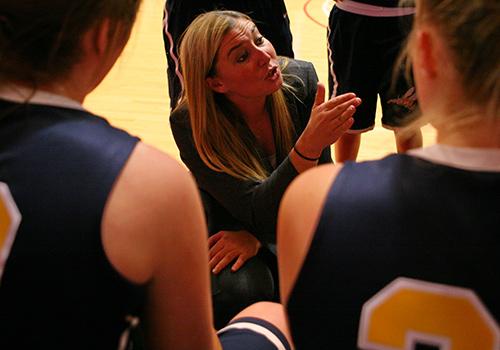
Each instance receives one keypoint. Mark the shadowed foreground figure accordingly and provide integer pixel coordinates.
(402, 252)
(111, 233)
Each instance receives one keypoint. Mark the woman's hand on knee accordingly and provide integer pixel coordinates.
(226, 246)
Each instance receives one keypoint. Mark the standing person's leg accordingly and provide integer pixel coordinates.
(397, 91)
(271, 18)
(352, 69)
(279, 32)
(347, 147)
(406, 141)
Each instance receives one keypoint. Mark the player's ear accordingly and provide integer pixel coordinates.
(426, 52)
(216, 84)
(97, 38)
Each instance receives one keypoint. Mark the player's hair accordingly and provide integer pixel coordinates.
(215, 122)
(471, 30)
(40, 40)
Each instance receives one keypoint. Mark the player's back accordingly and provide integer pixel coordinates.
(421, 237)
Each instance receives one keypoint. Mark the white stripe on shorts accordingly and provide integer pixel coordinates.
(257, 329)
(331, 65)
(172, 44)
(373, 11)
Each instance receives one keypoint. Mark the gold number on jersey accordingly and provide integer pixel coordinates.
(9, 222)
(410, 312)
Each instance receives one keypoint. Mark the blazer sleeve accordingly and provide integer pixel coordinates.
(304, 80)
(253, 203)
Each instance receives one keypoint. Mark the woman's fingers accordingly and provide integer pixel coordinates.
(214, 260)
(215, 238)
(216, 248)
(239, 263)
(226, 260)
(342, 116)
(339, 125)
(226, 247)
(339, 130)
(340, 99)
(342, 107)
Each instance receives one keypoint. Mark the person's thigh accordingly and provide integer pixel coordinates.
(397, 93)
(352, 67)
(270, 17)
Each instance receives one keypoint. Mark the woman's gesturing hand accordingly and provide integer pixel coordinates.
(225, 246)
(329, 120)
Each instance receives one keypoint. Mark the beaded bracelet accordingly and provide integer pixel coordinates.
(303, 156)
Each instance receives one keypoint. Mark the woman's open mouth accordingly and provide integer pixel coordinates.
(273, 73)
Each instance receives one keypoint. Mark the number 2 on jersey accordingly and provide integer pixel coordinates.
(411, 314)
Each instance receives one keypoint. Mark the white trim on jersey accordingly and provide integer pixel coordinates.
(475, 159)
(19, 94)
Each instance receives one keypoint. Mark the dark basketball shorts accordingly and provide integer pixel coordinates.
(362, 52)
(249, 333)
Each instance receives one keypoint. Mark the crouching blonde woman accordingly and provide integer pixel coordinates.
(247, 124)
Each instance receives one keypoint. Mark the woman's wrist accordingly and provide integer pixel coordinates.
(306, 149)
(305, 157)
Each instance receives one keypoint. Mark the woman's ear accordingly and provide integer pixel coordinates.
(216, 85)
(426, 52)
(96, 39)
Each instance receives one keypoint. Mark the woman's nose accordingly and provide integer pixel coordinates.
(263, 56)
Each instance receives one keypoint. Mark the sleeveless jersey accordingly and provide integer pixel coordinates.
(406, 251)
(58, 289)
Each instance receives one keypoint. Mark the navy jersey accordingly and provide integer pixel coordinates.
(58, 289)
(406, 251)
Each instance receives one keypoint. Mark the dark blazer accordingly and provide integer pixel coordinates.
(232, 203)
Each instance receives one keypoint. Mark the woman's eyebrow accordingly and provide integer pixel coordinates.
(235, 47)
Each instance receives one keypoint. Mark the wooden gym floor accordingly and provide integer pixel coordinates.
(134, 95)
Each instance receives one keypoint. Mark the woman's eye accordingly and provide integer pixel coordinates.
(242, 57)
(259, 40)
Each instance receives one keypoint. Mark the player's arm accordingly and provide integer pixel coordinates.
(297, 220)
(154, 231)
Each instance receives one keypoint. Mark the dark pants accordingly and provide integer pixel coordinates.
(256, 280)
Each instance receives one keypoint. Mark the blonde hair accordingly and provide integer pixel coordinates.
(216, 124)
(470, 30)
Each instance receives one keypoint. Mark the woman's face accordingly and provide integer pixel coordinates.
(246, 64)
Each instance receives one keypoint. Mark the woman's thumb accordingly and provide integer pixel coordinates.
(320, 95)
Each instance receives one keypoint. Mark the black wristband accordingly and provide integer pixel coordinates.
(303, 156)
